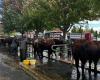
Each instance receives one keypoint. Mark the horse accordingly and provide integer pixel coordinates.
(85, 51)
(45, 44)
(42, 44)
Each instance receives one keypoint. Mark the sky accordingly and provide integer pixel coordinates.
(94, 24)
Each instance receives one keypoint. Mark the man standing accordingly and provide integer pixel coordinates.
(14, 48)
(23, 49)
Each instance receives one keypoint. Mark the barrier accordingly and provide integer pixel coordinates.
(63, 51)
(60, 45)
(60, 50)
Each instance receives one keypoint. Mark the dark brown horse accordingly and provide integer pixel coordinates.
(86, 51)
(44, 44)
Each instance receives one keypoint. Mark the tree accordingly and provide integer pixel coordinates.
(96, 8)
(91, 30)
(77, 29)
(74, 29)
(12, 10)
(99, 34)
(68, 12)
(36, 16)
(15, 17)
(95, 34)
(9, 21)
(46, 14)
(80, 30)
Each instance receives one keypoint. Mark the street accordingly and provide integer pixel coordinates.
(9, 71)
(73, 75)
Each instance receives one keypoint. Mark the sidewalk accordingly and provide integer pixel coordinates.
(52, 70)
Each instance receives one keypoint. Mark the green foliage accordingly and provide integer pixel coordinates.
(46, 14)
(36, 16)
(91, 30)
(99, 34)
(80, 30)
(9, 19)
(67, 12)
(77, 30)
(74, 30)
(95, 33)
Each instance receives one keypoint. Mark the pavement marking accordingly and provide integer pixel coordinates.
(34, 73)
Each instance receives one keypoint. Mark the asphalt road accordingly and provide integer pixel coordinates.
(10, 71)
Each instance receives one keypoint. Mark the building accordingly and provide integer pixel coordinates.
(54, 34)
(74, 36)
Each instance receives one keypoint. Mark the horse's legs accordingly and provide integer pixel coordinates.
(90, 61)
(77, 66)
(49, 54)
(69, 54)
(53, 54)
(40, 54)
(95, 67)
(35, 53)
(83, 66)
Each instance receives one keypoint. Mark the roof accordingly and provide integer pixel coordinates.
(56, 30)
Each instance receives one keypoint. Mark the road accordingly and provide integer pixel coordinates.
(73, 75)
(9, 71)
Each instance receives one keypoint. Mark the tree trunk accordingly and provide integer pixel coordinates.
(22, 34)
(36, 33)
(64, 32)
(64, 35)
(65, 29)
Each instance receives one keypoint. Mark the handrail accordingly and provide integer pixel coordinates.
(60, 45)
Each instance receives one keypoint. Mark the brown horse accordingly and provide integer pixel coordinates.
(86, 51)
(44, 44)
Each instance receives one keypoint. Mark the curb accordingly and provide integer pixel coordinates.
(33, 73)
(26, 70)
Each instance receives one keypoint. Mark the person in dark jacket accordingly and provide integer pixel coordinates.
(23, 49)
(14, 48)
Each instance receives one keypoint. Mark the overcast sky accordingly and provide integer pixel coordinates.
(94, 24)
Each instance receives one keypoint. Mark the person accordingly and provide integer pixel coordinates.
(23, 49)
(14, 48)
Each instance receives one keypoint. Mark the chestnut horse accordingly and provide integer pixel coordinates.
(86, 51)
